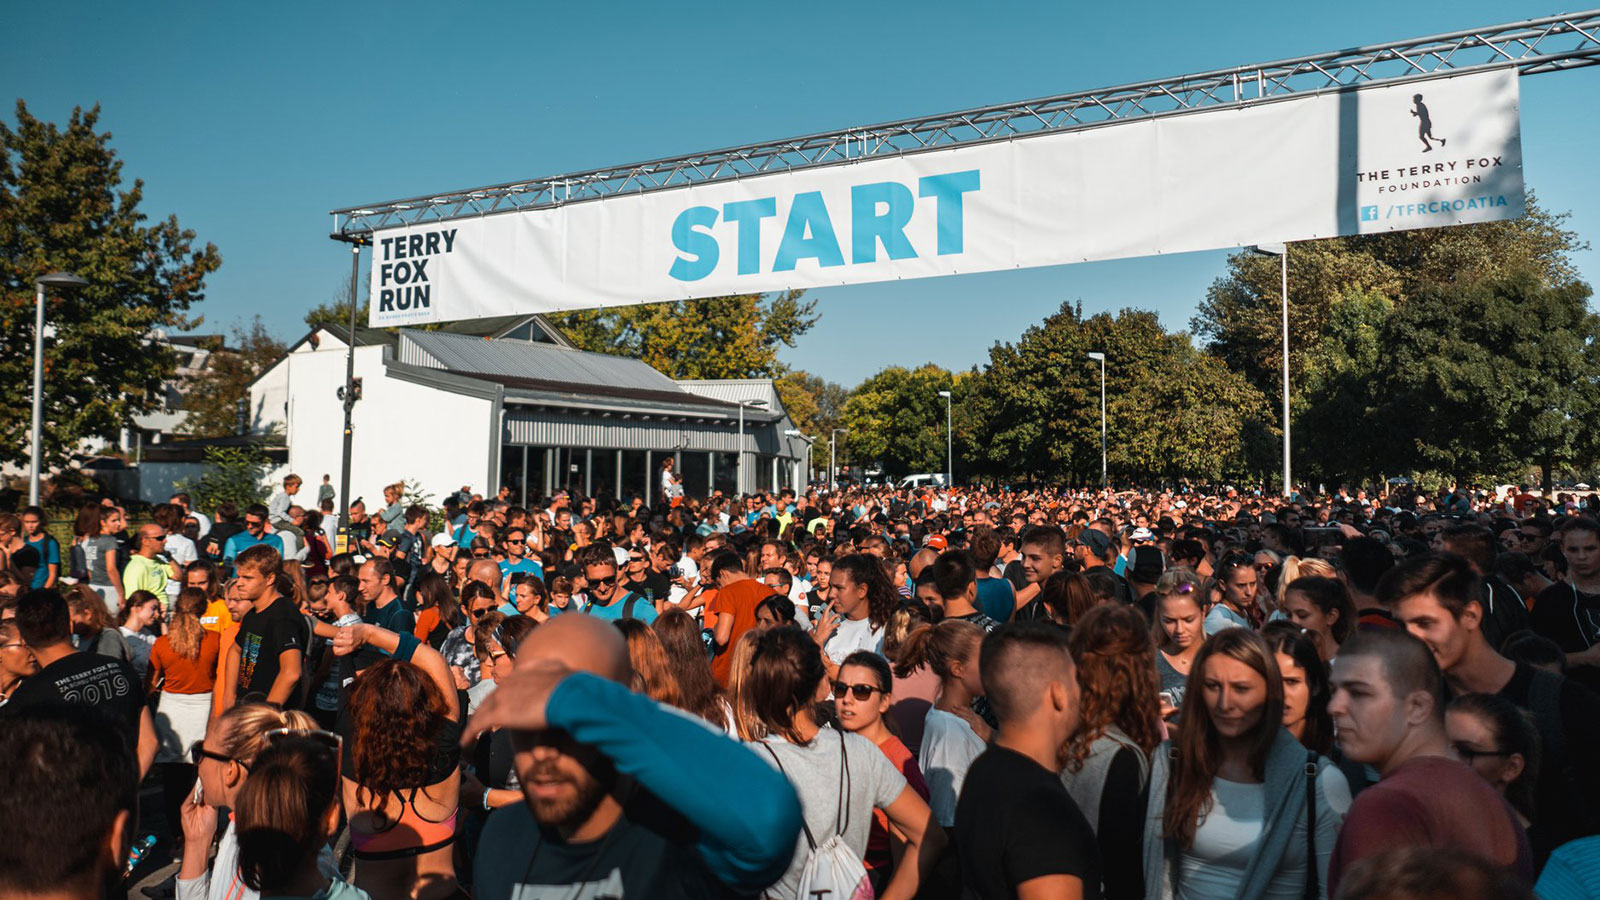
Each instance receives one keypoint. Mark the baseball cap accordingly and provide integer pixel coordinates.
(1143, 534)
(937, 542)
(1145, 565)
(442, 540)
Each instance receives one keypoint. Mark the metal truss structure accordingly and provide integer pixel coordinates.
(1532, 46)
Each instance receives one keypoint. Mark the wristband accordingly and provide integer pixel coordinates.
(486, 806)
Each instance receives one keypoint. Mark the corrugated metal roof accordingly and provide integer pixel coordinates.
(531, 362)
(735, 390)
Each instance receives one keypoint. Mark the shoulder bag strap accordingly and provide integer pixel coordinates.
(1311, 825)
(810, 841)
(627, 605)
(841, 820)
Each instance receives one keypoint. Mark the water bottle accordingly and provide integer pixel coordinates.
(141, 848)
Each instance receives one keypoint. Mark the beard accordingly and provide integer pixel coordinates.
(567, 810)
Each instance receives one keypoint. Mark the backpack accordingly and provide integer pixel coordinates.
(832, 871)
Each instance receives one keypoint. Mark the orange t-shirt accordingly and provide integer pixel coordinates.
(184, 675)
(738, 600)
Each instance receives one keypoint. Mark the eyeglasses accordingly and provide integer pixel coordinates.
(254, 523)
(1468, 754)
(13, 644)
(480, 554)
(480, 613)
(609, 579)
(859, 691)
(1263, 567)
(198, 751)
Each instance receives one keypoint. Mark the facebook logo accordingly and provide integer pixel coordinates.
(1369, 214)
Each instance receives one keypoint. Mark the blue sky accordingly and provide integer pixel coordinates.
(251, 121)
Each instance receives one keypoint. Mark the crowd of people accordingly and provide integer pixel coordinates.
(966, 692)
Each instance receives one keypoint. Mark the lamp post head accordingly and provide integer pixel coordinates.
(945, 394)
(753, 402)
(1270, 249)
(60, 281)
(1097, 356)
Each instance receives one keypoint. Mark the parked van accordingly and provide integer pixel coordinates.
(922, 480)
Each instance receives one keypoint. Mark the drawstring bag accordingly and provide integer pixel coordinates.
(833, 871)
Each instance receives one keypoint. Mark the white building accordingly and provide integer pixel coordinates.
(511, 402)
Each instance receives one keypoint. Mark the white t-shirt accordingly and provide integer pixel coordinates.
(853, 635)
(949, 745)
(1230, 834)
(180, 550)
(691, 571)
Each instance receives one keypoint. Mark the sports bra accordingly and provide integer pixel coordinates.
(412, 835)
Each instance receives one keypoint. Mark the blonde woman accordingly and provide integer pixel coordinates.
(745, 722)
(1292, 568)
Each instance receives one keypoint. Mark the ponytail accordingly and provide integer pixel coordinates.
(939, 647)
(280, 811)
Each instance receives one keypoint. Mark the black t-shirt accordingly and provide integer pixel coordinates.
(1567, 795)
(653, 585)
(1571, 618)
(1013, 573)
(1016, 822)
(1506, 613)
(648, 853)
(263, 637)
(217, 538)
(107, 685)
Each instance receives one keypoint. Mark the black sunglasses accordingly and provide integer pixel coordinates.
(480, 613)
(859, 691)
(198, 751)
(1468, 754)
(609, 579)
(480, 555)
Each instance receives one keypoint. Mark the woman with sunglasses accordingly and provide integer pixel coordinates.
(223, 760)
(287, 811)
(1179, 632)
(841, 778)
(862, 696)
(459, 646)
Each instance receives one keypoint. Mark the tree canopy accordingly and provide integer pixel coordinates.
(63, 205)
(211, 400)
(716, 337)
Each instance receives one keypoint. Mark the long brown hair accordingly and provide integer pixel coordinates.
(1116, 679)
(881, 595)
(745, 720)
(84, 601)
(395, 711)
(280, 812)
(939, 647)
(686, 652)
(652, 669)
(184, 631)
(1068, 596)
(783, 679)
(1199, 747)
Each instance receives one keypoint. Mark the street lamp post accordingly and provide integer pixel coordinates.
(949, 445)
(1102, 358)
(60, 281)
(1282, 252)
(833, 471)
(796, 433)
(738, 476)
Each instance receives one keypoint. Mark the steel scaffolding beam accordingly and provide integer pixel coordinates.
(1533, 46)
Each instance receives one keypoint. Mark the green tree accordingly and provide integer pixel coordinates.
(63, 206)
(1479, 378)
(896, 418)
(1172, 412)
(716, 337)
(336, 311)
(212, 398)
(815, 407)
(236, 475)
(1241, 315)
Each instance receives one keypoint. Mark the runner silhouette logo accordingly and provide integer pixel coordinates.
(1424, 124)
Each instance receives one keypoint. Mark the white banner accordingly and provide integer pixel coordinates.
(1420, 155)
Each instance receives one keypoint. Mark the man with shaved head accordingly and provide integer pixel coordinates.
(1018, 831)
(616, 805)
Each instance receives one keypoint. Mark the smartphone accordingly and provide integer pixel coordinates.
(1166, 698)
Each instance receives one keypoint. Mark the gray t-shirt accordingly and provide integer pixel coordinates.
(816, 772)
(94, 550)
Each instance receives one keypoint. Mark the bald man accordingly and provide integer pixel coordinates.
(616, 799)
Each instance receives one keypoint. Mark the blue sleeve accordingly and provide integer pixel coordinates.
(228, 551)
(747, 814)
(275, 541)
(52, 551)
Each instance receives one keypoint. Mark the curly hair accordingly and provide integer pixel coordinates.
(882, 599)
(395, 711)
(1116, 680)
